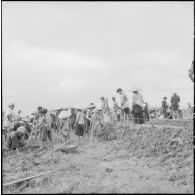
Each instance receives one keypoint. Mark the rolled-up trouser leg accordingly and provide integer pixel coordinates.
(14, 140)
(9, 141)
(49, 134)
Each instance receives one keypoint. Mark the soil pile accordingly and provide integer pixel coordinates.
(171, 145)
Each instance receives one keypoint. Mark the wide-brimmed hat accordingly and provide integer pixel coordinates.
(12, 104)
(135, 89)
(91, 106)
(23, 130)
(78, 107)
(8, 126)
(21, 121)
(65, 114)
(24, 120)
(97, 109)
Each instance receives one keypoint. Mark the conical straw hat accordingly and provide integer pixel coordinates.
(135, 89)
(64, 114)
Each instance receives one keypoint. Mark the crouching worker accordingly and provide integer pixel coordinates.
(96, 124)
(16, 139)
(44, 127)
(65, 124)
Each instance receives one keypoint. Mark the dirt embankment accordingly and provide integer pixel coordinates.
(151, 158)
(170, 146)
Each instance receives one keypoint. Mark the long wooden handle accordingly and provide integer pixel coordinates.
(27, 178)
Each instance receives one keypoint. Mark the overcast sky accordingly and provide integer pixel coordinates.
(70, 53)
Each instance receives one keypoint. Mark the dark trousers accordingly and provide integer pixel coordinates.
(87, 125)
(118, 117)
(138, 114)
(45, 133)
(14, 141)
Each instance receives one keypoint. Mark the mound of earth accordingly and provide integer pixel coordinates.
(170, 145)
(150, 158)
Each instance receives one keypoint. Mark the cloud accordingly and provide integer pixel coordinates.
(70, 85)
(68, 53)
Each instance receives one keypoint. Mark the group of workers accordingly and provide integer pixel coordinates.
(63, 121)
(172, 110)
(43, 123)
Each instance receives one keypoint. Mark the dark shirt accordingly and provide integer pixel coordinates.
(164, 104)
(175, 100)
(73, 117)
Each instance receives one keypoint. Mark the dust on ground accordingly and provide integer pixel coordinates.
(152, 158)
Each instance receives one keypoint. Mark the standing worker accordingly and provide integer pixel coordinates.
(146, 111)
(175, 99)
(90, 108)
(137, 106)
(80, 123)
(65, 124)
(12, 113)
(191, 72)
(124, 104)
(44, 126)
(96, 124)
(72, 118)
(116, 109)
(37, 117)
(164, 107)
(105, 108)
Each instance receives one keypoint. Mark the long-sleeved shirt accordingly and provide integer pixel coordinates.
(164, 104)
(80, 118)
(137, 99)
(13, 115)
(97, 119)
(105, 106)
(175, 100)
(64, 124)
(124, 101)
(89, 114)
(115, 106)
(44, 121)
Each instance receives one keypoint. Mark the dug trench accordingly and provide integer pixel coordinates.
(150, 158)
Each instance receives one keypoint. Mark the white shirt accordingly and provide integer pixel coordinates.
(124, 101)
(138, 99)
(105, 106)
(13, 114)
(80, 118)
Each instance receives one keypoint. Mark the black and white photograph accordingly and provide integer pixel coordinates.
(97, 97)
